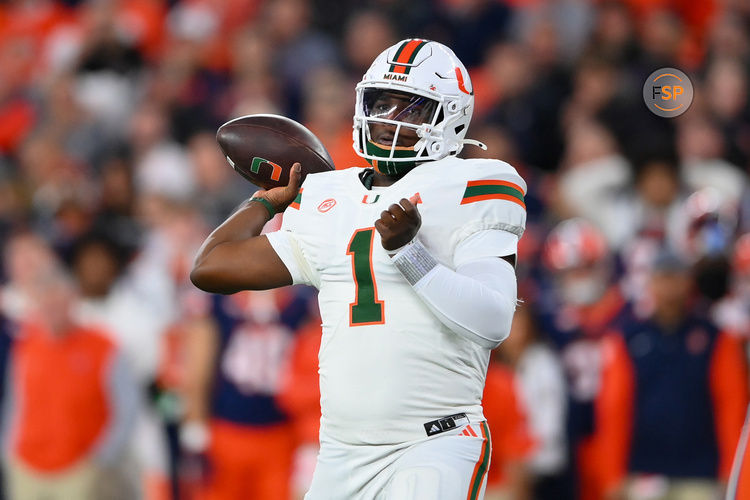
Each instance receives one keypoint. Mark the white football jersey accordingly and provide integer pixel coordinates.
(387, 365)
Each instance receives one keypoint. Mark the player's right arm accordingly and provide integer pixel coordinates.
(236, 257)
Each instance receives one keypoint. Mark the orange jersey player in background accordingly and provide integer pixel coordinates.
(300, 398)
(739, 481)
(71, 406)
(674, 392)
(512, 442)
(236, 437)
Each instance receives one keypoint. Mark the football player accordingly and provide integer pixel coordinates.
(414, 262)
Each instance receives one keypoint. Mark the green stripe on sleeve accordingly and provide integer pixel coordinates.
(472, 191)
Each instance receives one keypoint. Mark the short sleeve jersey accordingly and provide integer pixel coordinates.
(387, 364)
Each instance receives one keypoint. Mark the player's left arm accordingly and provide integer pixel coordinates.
(476, 301)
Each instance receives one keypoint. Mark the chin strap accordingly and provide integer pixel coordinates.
(475, 143)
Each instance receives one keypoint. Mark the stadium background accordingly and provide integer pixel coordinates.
(109, 167)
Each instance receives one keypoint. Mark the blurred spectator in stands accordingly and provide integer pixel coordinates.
(595, 84)
(218, 192)
(702, 148)
(513, 98)
(300, 398)
(614, 35)
(81, 134)
(162, 167)
(639, 215)
(6, 343)
(106, 49)
(256, 86)
(654, 215)
(211, 26)
(729, 37)
(115, 296)
(732, 312)
(299, 47)
(329, 116)
(464, 25)
(25, 255)
(541, 386)
(13, 210)
(53, 178)
(674, 396)
(706, 241)
(663, 38)
(594, 178)
(739, 481)
(116, 205)
(193, 81)
(726, 94)
(234, 428)
(71, 405)
(579, 307)
(367, 34)
(175, 230)
(512, 441)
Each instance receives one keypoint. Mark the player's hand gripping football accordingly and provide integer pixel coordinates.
(280, 197)
(398, 225)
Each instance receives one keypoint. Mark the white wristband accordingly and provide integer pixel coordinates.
(414, 261)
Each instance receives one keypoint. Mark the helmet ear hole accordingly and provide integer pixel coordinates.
(436, 147)
(452, 106)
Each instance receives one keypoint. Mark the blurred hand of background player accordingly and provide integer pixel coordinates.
(281, 197)
(398, 225)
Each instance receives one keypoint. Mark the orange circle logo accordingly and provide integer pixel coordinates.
(326, 205)
(668, 92)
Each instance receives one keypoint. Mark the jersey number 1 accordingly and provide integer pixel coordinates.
(366, 308)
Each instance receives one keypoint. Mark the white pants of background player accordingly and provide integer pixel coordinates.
(448, 466)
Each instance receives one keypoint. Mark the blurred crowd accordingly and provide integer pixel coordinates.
(625, 373)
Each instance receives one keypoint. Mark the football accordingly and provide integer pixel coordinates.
(262, 148)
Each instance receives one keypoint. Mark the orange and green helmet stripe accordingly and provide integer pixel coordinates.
(406, 54)
(493, 190)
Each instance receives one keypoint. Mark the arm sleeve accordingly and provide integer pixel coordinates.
(729, 390)
(123, 399)
(476, 301)
(486, 243)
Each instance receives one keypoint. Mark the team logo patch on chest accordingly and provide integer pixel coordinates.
(370, 199)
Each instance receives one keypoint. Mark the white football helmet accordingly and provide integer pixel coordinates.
(416, 90)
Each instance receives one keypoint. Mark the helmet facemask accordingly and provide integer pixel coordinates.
(396, 129)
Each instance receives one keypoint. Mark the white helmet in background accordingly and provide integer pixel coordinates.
(435, 102)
